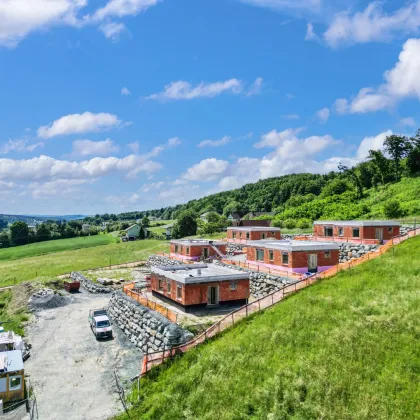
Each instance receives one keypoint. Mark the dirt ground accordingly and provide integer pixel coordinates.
(72, 373)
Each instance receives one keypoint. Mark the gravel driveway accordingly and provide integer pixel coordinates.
(71, 372)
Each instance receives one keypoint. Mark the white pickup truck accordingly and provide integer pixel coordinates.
(100, 324)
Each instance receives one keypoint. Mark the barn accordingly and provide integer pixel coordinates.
(356, 231)
(243, 234)
(293, 256)
(197, 286)
(194, 250)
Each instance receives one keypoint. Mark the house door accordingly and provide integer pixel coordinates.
(379, 234)
(205, 253)
(312, 263)
(213, 295)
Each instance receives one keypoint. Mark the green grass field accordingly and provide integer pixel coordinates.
(345, 348)
(18, 270)
(47, 247)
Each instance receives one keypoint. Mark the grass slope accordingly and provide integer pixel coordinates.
(345, 348)
(58, 245)
(16, 271)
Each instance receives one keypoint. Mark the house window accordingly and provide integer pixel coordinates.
(168, 286)
(160, 285)
(182, 249)
(390, 230)
(356, 233)
(260, 255)
(327, 254)
(262, 235)
(15, 383)
(271, 255)
(240, 234)
(340, 231)
(273, 234)
(176, 249)
(328, 231)
(285, 259)
(233, 285)
(179, 291)
(188, 250)
(234, 235)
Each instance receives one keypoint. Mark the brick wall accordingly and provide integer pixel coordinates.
(253, 235)
(196, 251)
(365, 232)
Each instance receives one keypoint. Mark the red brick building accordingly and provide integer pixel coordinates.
(293, 256)
(193, 250)
(357, 231)
(243, 234)
(200, 285)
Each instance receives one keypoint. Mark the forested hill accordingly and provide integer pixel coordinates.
(386, 184)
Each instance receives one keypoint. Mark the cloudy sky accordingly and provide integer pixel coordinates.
(120, 105)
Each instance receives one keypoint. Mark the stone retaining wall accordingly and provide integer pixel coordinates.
(147, 329)
(154, 260)
(348, 251)
(89, 285)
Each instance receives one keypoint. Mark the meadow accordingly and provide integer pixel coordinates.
(344, 348)
(13, 271)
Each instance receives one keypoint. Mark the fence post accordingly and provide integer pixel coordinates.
(259, 304)
(233, 320)
(272, 299)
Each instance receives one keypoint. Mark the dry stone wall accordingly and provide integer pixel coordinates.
(147, 329)
(89, 285)
(155, 260)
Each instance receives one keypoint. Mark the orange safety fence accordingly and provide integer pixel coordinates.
(143, 300)
(156, 358)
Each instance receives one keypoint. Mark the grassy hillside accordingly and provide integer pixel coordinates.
(15, 271)
(59, 245)
(345, 348)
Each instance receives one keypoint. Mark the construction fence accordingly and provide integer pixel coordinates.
(157, 358)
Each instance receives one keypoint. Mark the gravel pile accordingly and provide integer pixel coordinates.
(155, 260)
(261, 284)
(231, 248)
(46, 299)
(89, 285)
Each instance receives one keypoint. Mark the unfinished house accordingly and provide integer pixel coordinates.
(243, 234)
(200, 285)
(357, 231)
(293, 256)
(11, 376)
(194, 250)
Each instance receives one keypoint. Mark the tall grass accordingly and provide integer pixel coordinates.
(345, 348)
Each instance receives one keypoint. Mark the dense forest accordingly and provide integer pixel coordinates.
(386, 184)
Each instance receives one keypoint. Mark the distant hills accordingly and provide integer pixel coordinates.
(35, 219)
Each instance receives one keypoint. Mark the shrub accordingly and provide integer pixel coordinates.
(290, 223)
(303, 223)
(392, 209)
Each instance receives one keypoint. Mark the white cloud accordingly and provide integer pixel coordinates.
(21, 17)
(214, 143)
(134, 147)
(19, 145)
(153, 186)
(373, 24)
(310, 33)
(173, 142)
(179, 194)
(371, 143)
(275, 138)
(186, 91)
(207, 170)
(341, 106)
(256, 87)
(79, 123)
(44, 167)
(125, 91)
(112, 30)
(291, 116)
(408, 122)
(58, 187)
(89, 148)
(400, 82)
(323, 115)
(121, 8)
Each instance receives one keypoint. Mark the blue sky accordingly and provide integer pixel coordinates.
(120, 105)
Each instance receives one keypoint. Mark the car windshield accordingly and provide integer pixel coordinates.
(102, 324)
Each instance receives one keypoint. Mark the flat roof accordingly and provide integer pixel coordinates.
(13, 360)
(294, 245)
(358, 222)
(196, 242)
(199, 273)
(255, 228)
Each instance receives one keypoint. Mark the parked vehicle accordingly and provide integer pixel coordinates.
(100, 323)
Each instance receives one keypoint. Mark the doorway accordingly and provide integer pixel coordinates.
(205, 253)
(379, 234)
(213, 295)
(312, 263)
